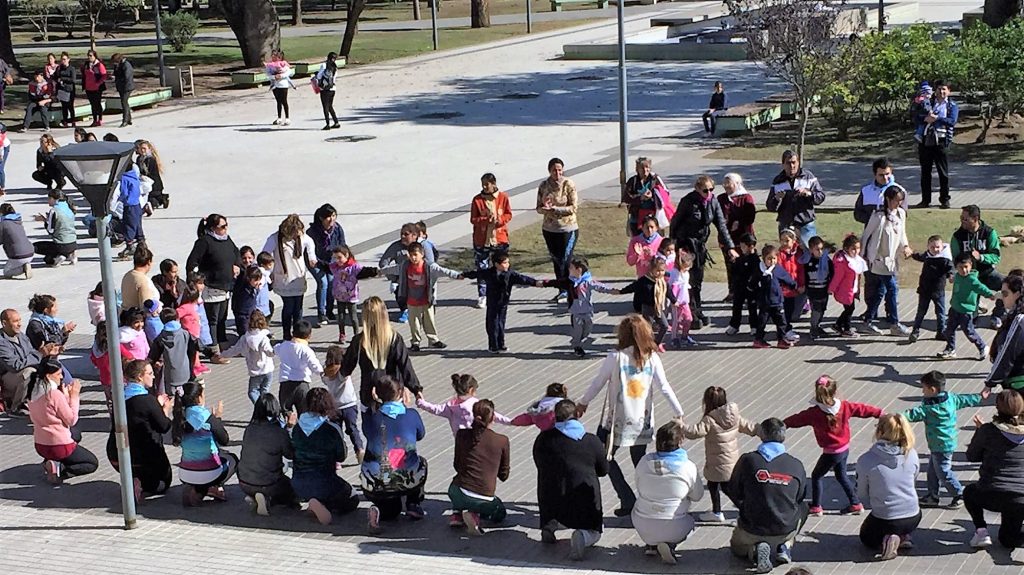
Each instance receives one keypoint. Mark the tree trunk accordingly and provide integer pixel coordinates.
(355, 9)
(6, 43)
(415, 9)
(805, 116)
(93, 21)
(256, 27)
(296, 12)
(998, 12)
(481, 14)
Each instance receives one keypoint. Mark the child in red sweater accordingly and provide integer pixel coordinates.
(790, 256)
(830, 416)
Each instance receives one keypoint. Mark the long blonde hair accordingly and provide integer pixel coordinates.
(152, 149)
(895, 429)
(377, 333)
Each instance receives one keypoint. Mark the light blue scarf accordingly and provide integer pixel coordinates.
(585, 278)
(771, 449)
(198, 417)
(48, 321)
(310, 422)
(64, 209)
(134, 389)
(172, 325)
(572, 429)
(673, 459)
(650, 239)
(393, 409)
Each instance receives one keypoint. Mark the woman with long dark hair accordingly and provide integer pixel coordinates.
(325, 82)
(265, 446)
(216, 256)
(293, 253)
(53, 409)
(67, 78)
(94, 78)
(319, 447)
(1007, 351)
(327, 234)
(205, 466)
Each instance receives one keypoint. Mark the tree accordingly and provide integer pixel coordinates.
(994, 66)
(38, 13)
(355, 10)
(255, 25)
(296, 12)
(999, 12)
(480, 16)
(69, 11)
(6, 42)
(93, 10)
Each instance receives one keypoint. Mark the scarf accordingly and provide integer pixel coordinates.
(64, 209)
(832, 410)
(48, 321)
(765, 270)
(650, 239)
(172, 325)
(12, 217)
(216, 236)
(771, 449)
(585, 278)
(310, 422)
(673, 459)
(198, 417)
(134, 389)
(393, 409)
(572, 429)
(660, 291)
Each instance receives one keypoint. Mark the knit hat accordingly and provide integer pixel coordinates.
(151, 305)
(926, 89)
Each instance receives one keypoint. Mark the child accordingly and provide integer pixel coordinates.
(644, 246)
(667, 253)
(417, 287)
(205, 463)
(963, 305)
(720, 427)
(265, 261)
(541, 413)
(248, 256)
(791, 258)
(921, 107)
(938, 412)
(490, 214)
(346, 398)
(847, 268)
(133, 336)
(936, 267)
(174, 352)
(458, 410)
(767, 291)
(679, 284)
(428, 246)
(745, 269)
(650, 298)
(347, 272)
(394, 256)
(153, 326)
(259, 354)
(818, 272)
(498, 283)
(189, 314)
(99, 356)
(298, 362)
(829, 417)
(96, 306)
(245, 297)
(580, 287)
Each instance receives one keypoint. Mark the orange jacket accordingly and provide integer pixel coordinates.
(480, 216)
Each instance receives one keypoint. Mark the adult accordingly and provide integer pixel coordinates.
(557, 201)
(40, 95)
(17, 247)
(6, 79)
(280, 73)
(768, 486)
(872, 196)
(293, 252)
(716, 106)
(481, 459)
(640, 196)
(48, 172)
(885, 481)
(319, 447)
(999, 447)
(570, 463)
(691, 228)
(18, 361)
(883, 243)
(326, 233)
(44, 327)
(631, 372)
(740, 212)
(977, 238)
(793, 195)
(490, 214)
(217, 257)
(324, 79)
(136, 285)
(148, 418)
(392, 470)
(94, 82)
(644, 246)
(5, 152)
(53, 408)
(59, 224)
(147, 159)
(124, 83)
(1007, 351)
(67, 81)
(378, 347)
(667, 482)
(932, 151)
(205, 465)
(265, 445)
(169, 284)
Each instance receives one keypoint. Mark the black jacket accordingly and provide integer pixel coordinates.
(794, 209)
(935, 272)
(215, 258)
(149, 168)
(1000, 450)
(691, 225)
(398, 366)
(147, 425)
(643, 292)
(67, 76)
(568, 488)
(499, 284)
(265, 445)
(124, 76)
(743, 272)
(769, 494)
(1008, 352)
(169, 298)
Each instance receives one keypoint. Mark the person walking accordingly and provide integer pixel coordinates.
(933, 149)
(67, 79)
(327, 234)
(558, 202)
(884, 242)
(124, 82)
(325, 82)
(94, 82)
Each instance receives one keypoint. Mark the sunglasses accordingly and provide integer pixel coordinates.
(706, 190)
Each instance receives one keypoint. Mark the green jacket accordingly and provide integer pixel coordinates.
(939, 416)
(966, 290)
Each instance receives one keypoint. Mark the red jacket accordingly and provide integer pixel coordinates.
(790, 261)
(834, 439)
(93, 76)
(39, 92)
(740, 211)
(480, 217)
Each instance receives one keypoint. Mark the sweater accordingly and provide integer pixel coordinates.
(665, 489)
(999, 447)
(541, 413)
(317, 451)
(458, 412)
(200, 445)
(935, 271)
(397, 253)
(265, 445)
(793, 209)
(766, 286)
(13, 238)
(93, 76)
(289, 274)
(832, 438)
(721, 429)
(884, 239)
(397, 365)
(985, 240)
(745, 270)
(17, 353)
(499, 284)
(846, 271)
(568, 484)
(259, 354)
(432, 271)
(486, 232)
(325, 240)
(147, 426)
(136, 288)
(342, 389)
(178, 349)
(564, 202)
(60, 224)
(649, 248)
(818, 274)
(298, 360)
(939, 416)
(1008, 349)
(53, 414)
(885, 481)
(643, 290)
(215, 258)
(345, 285)
(966, 290)
(768, 494)
(481, 458)
(740, 211)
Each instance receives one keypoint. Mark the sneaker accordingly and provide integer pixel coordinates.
(981, 539)
(560, 296)
(439, 345)
(873, 328)
(261, 505)
(577, 546)
(28, 271)
(414, 347)
(854, 509)
(906, 542)
(277, 122)
(472, 521)
(807, 307)
(850, 334)
(219, 359)
(956, 503)
(711, 517)
(676, 343)
(53, 469)
(661, 348)
(938, 336)
(946, 354)
(922, 204)
(928, 501)
(690, 342)
(58, 261)
(547, 532)
(404, 317)
(579, 351)
(889, 546)
(792, 336)
(815, 511)
(898, 329)
(321, 320)
(623, 511)
(481, 302)
(286, 122)
(651, 550)
(455, 520)
(782, 554)
(983, 353)
(731, 330)
(322, 514)
(760, 344)
(944, 205)
(915, 335)
(415, 512)
(325, 128)
(341, 339)
(783, 344)
(666, 553)
(997, 323)
(373, 520)
(762, 558)
(335, 125)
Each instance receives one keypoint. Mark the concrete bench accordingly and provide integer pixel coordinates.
(556, 5)
(140, 99)
(746, 118)
(258, 76)
(786, 101)
(82, 110)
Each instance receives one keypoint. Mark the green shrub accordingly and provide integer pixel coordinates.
(180, 28)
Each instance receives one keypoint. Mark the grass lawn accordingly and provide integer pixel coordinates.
(603, 241)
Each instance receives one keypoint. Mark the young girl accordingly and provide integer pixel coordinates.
(133, 334)
(542, 412)
(720, 427)
(679, 284)
(845, 285)
(189, 314)
(650, 298)
(259, 355)
(829, 417)
(458, 410)
(667, 253)
(248, 256)
(97, 311)
(99, 355)
(644, 246)
(346, 398)
(204, 466)
(347, 272)
(150, 166)
(790, 256)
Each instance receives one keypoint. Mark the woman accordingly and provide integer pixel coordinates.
(557, 201)
(326, 233)
(53, 409)
(293, 251)
(44, 327)
(325, 81)
(265, 446)
(148, 418)
(644, 246)
(640, 197)
(999, 447)
(319, 447)
(48, 171)
(1007, 351)
(280, 73)
(67, 79)
(204, 466)
(17, 247)
(217, 257)
(94, 77)
(391, 469)
(481, 459)
(59, 223)
(885, 479)
(50, 71)
(150, 166)
(666, 483)
(884, 239)
(630, 372)
(378, 347)
(740, 211)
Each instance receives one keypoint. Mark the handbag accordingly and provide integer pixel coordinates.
(63, 96)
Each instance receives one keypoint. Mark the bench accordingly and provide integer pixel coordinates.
(141, 99)
(82, 110)
(787, 102)
(258, 76)
(746, 118)
(556, 5)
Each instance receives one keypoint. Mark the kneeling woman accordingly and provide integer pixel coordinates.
(204, 467)
(53, 408)
(481, 459)
(148, 418)
(885, 479)
(319, 446)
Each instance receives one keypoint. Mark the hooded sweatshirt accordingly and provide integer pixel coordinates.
(666, 484)
(935, 271)
(541, 414)
(1000, 449)
(939, 416)
(885, 481)
(721, 429)
(13, 239)
(966, 290)
(259, 354)
(985, 240)
(175, 347)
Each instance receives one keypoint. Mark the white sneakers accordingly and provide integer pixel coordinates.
(282, 122)
(711, 517)
(981, 539)
(481, 302)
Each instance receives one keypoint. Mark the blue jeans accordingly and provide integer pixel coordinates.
(258, 385)
(291, 312)
(942, 462)
(836, 463)
(323, 277)
(806, 232)
(887, 289)
(965, 322)
(938, 300)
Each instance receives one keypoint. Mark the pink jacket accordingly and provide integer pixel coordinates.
(643, 264)
(458, 412)
(52, 417)
(541, 414)
(844, 285)
(188, 315)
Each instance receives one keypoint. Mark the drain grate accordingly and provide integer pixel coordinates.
(351, 139)
(520, 96)
(584, 79)
(440, 115)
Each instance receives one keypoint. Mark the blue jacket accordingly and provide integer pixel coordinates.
(767, 288)
(945, 126)
(244, 299)
(131, 189)
(398, 441)
(325, 240)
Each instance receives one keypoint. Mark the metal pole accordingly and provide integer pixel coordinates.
(881, 16)
(159, 43)
(623, 108)
(433, 21)
(124, 457)
(529, 17)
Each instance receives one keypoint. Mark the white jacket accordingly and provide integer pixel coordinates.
(259, 355)
(664, 492)
(289, 276)
(298, 361)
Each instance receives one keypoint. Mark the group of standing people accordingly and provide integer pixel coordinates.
(280, 74)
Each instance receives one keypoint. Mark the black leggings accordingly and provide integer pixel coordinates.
(217, 316)
(80, 462)
(1009, 505)
(50, 249)
(390, 504)
(874, 530)
(96, 103)
(716, 489)
(281, 95)
(327, 101)
(627, 498)
(843, 321)
(67, 111)
(561, 246)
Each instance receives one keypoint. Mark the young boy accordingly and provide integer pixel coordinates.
(397, 254)
(938, 412)
(265, 261)
(490, 214)
(966, 289)
(818, 271)
(153, 325)
(744, 269)
(767, 290)
(245, 297)
(498, 281)
(580, 287)
(936, 269)
(173, 353)
(298, 363)
(417, 287)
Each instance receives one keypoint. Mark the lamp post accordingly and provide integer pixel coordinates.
(159, 42)
(95, 168)
(623, 108)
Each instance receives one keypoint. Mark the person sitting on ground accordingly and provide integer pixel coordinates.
(18, 360)
(319, 446)
(481, 458)
(265, 446)
(53, 407)
(17, 248)
(205, 466)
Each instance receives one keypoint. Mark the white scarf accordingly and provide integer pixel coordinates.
(43, 387)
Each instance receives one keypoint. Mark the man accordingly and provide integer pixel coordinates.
(569, 462)
(40, 94)
(793, 195)
(871, 195)
(974, 236)
(18, 359)
(717, 105)
(136, 287)
(124, 81)
(768, 486)
(932, 151)
(691, 227)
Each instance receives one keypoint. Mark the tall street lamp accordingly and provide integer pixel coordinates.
(95, 168)
(623, 108)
